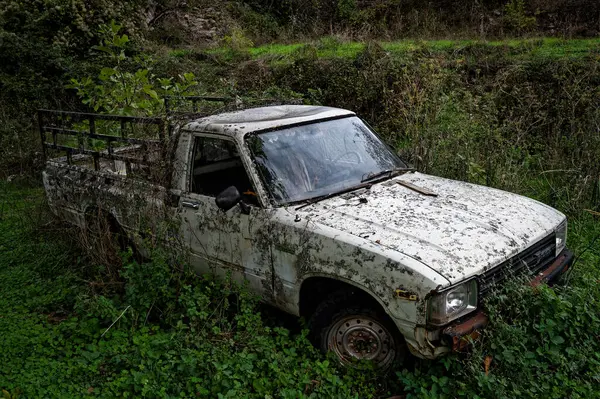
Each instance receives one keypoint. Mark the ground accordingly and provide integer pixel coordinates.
(517, 114)
(53, 325)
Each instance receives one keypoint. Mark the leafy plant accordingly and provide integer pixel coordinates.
(516, 18)
(170, 334)
(347, 10)
(237, 40)
(120, 90)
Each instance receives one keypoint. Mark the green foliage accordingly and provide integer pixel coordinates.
(63, 24)
(168, 334)
(43, 43)
(261, 26)
(509, 115)
(347, 10)
(298, 19)
(121, 91)
(541, 341)
(39, 41)
(516, 18)
(520, 115)
(514, 50)
(172, 334)
(237, 41)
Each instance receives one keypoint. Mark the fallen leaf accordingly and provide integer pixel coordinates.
(487, 362)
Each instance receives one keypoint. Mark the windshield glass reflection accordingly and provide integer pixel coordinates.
(304, 162)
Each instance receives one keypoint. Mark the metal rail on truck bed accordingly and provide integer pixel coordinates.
(100, 136)
(83, 127)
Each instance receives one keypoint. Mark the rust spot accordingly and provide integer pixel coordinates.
(462, 333)
(486, 364)
(559, 266)
(411, 296)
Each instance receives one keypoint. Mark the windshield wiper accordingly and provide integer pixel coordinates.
(333, 194)
(365, 183)
(388, 174)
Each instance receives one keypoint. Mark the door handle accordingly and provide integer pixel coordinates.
(192, 205)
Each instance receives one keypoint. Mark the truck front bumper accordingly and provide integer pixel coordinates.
(462, 333)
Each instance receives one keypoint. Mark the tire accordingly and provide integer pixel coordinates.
(353, 327)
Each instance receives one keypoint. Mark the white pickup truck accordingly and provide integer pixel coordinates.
(320, 218)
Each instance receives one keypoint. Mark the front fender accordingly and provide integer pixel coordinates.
(302, 250)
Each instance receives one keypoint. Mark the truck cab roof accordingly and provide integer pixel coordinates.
(240, 123)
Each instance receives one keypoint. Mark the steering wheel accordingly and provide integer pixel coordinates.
(353, 153)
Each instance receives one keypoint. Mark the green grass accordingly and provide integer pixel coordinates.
(174, 336)
(331, 47)
(57, 339)
(36, 286)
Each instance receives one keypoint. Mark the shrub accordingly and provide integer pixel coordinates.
(237, 40)
(478, 113)
(121, 91)
(515, 17)
(541, 343)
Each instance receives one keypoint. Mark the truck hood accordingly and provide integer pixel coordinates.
(463, 231)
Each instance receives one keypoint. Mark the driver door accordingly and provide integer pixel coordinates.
(223, 243)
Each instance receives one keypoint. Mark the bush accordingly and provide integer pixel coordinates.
(515, 17)
(170, 333)
(118, 89)
(541, 342)
(417, 19)
(477, 113)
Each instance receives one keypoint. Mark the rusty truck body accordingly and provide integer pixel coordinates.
(318, 216)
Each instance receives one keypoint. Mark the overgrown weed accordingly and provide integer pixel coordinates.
(503, 114)
(475, 115)
(168, 332)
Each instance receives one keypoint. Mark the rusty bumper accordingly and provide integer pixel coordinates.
(560, 265)
(464, 332)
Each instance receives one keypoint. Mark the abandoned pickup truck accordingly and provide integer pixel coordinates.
(309, 208)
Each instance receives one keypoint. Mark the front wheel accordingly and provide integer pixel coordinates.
(353, 329)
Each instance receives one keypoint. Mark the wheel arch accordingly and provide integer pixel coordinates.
(94, 210)
(315, 288)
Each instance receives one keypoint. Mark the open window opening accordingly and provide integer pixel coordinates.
(217, 165)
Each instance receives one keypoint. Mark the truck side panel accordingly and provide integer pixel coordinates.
(72, 191)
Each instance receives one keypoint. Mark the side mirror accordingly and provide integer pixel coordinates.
(228, 198)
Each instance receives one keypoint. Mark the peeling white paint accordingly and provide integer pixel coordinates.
(380, 239)
(463, 231)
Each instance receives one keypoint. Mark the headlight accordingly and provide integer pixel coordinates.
(453, 303)
(561, 237)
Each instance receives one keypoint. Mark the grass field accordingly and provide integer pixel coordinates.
(68, 331)
(524, 48)
(53, 343)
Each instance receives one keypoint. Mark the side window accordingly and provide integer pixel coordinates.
(217, 165)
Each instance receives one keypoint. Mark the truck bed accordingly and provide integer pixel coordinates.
(120, 164)
(123, 145)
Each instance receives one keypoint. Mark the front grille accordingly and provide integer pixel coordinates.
(529, 262)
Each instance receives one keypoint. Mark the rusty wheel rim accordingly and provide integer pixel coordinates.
(361, 338)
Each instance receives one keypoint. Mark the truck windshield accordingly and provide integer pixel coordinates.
(309, 161)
